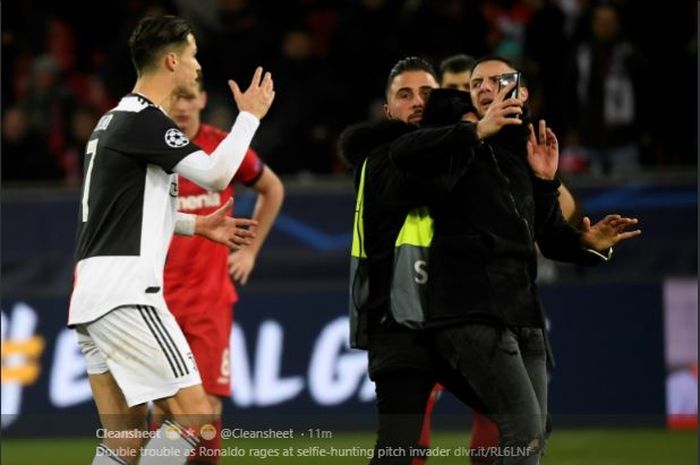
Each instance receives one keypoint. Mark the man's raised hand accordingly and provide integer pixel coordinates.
(543, 152)
(608, 231)
(257, 99)
(501, 112)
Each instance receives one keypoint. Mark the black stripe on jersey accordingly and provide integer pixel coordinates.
(167, 334)
(160, 343)
(167, 340)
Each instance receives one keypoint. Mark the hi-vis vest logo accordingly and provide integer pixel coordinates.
(410, 274)
(410, 271)
(175, 138)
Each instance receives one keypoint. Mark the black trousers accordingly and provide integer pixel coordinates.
(405, 367)
(498, 372)
(507, 369)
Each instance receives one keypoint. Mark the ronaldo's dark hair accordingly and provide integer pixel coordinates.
(409, 64)
(152, 36)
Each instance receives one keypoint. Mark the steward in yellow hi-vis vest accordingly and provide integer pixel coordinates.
(359, 275)
(392, 230)
(410, 271)
(409, 283)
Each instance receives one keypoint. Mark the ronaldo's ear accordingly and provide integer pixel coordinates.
(387, 113)
(170, 60)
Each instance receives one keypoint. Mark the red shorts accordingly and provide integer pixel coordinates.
(208, 333)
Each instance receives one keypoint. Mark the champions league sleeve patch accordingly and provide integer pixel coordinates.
(175, 138)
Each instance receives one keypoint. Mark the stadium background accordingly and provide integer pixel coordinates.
(625, 334)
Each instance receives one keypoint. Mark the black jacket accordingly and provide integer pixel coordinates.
(482, 199)
(389, 194)
(483, 260)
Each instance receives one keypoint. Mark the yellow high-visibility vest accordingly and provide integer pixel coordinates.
(408, 295)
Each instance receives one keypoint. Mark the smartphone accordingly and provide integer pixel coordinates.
(505, 79)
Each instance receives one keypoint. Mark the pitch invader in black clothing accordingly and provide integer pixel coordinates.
(401, 359)
(135, 352)
(402, 362)
(482, 299)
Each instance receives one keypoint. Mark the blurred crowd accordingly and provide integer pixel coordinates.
(599, 72)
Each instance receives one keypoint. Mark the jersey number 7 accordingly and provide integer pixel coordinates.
(90, 152)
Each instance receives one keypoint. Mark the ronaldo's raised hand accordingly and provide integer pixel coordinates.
(258, 98)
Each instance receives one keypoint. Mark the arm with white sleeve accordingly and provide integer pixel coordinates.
(214, 172)
(218, 227)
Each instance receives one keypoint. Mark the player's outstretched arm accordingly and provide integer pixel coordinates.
(218, 227)
(214, 172)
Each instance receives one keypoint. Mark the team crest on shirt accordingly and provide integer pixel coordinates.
(175, 138)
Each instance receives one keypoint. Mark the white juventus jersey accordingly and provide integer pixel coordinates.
(128, 208)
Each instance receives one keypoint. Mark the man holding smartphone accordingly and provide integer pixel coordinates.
(455, 73)
(481, 182)
(483, 307)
